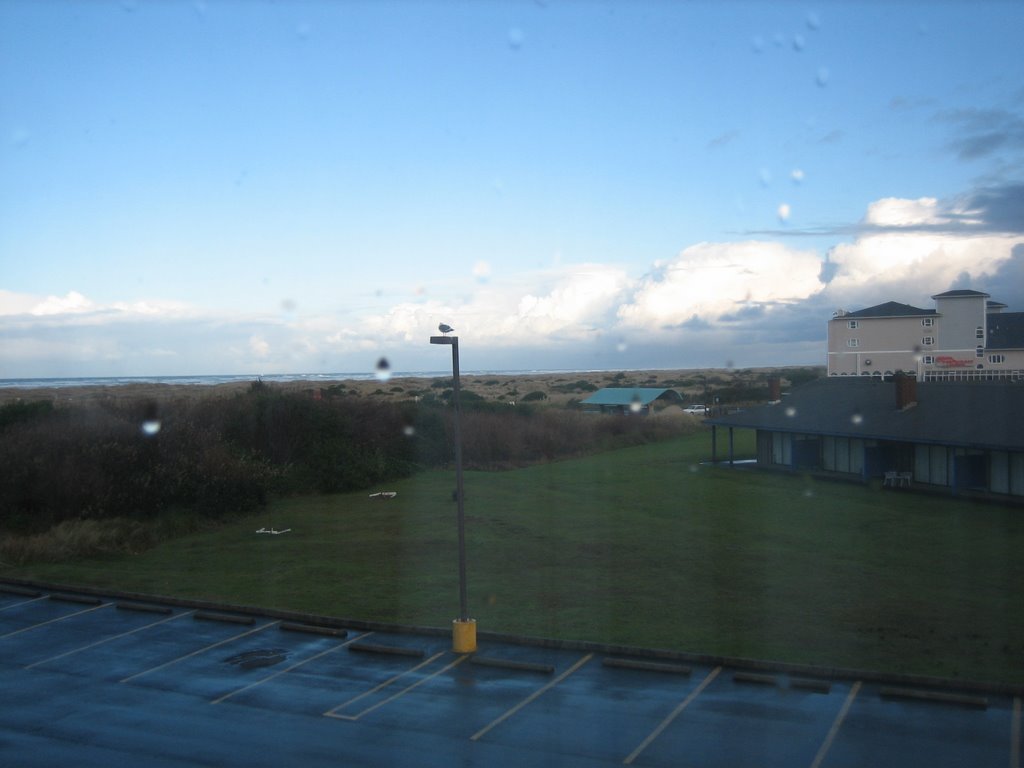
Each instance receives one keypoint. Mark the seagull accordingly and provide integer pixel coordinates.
(445, 329)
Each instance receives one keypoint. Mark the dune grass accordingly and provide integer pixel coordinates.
(642, 546)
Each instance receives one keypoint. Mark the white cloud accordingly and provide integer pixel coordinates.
(712, 280)
(900, 212)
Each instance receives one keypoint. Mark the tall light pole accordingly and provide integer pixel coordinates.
(463, 628)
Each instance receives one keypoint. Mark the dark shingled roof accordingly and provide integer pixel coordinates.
(889, 309)
(958, 293)
(1006, 331)
(979, 414)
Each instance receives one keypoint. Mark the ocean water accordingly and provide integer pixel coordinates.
(114, 381)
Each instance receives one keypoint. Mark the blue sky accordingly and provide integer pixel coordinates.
(255, 187)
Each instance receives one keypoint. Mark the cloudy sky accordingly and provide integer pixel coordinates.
(267, 187)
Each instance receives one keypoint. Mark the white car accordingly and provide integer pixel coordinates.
(696, 410)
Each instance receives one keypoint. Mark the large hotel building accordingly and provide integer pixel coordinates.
(965, 337)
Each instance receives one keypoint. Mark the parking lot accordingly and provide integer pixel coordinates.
(91, 680)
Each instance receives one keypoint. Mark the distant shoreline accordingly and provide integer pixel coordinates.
(505, 386)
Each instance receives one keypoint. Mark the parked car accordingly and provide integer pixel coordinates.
(696, 410)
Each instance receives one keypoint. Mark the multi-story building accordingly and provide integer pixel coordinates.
(965, 337)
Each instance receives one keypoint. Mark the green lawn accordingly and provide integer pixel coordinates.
(640, 546)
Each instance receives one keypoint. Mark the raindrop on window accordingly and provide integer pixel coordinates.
(799, 43)
(856, 418)
(515, 38)
(635, 406)
(783, 212)
(791, 411)
(383, 371)
(151, 427)
(409, 430)
(822, 77)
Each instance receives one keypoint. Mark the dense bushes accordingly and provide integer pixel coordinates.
(110, 460)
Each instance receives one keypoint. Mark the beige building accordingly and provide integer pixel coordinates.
(965, 337)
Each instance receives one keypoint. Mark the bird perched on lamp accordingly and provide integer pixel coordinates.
(445, 328)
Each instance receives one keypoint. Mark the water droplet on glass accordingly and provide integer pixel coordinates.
(150, 427)
(635, 405)
(856, 419)
(797, 175)
(757, 44)
(918, 353)
(409, 430)
(808, 493)
(798, 43)
(783, 212)
(791, 411)
(822, 77)
(383, 371)
(765, 175)
(622, 346)
(813, 22)
(515, 38)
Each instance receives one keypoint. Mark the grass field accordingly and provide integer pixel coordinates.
(641, 546)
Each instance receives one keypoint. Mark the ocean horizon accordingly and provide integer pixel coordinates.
(212, 380)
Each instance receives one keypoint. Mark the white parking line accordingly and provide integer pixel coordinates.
(201, 650)
(836, 726)
(53, 621)
(672, 716)
(24, 602)
(333, 711)
(296, 665)
(107, 640)
(402, 692)
(533, 696)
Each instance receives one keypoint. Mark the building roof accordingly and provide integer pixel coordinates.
(961, 293)
(1006, 330)
(982, 414)
(888, 309)
(627, 396)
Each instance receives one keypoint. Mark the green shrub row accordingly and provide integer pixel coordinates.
(116, 460)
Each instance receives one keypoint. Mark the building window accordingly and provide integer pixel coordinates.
(979, 352)
(929, 360)
(852, 343)
(928, 322)
(851, 324)
(979, 332)
(997, 358)
(928, 341)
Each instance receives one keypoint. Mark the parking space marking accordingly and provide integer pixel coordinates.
(332, 712)
(402, 692)
(201, 650)
(1015, 735)
(53, 621)
(107, 640)
(836, 725)
(296, 665)
(23, 602)
(672, 716)
(532, 697)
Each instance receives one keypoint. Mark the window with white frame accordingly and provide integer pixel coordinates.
(979, 332)
(852, 324)
(929, 360)
(853, 342)
(997, 358)
(928, 341)
(979, 352)
(928, 322)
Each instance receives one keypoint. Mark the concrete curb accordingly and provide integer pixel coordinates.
(731, 662)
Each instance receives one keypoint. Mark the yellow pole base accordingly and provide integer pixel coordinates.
(464, 636)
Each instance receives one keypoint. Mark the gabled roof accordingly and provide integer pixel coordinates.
(627, 396)
(889, 309)
(1006, 330)
(981, 414)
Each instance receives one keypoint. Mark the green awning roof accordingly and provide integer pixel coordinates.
(627, 396)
